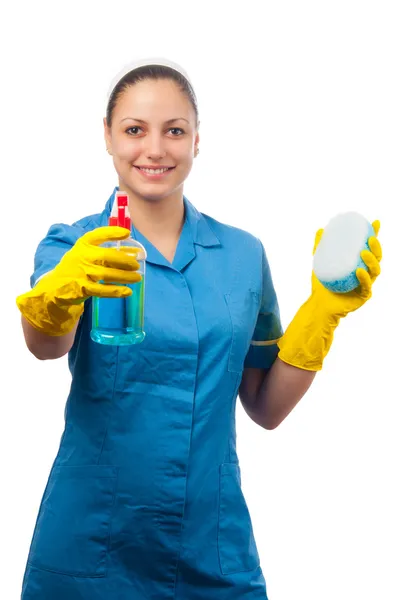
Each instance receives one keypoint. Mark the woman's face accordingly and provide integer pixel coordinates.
(152, 138)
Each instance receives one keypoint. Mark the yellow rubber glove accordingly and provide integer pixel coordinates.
(309, 336)
(56, 303)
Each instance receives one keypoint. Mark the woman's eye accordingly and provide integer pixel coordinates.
(133, 129)
(178, 130)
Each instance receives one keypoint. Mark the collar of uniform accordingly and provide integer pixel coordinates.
(201, 232)
(195, 231)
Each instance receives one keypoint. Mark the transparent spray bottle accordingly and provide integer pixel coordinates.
(120, 321)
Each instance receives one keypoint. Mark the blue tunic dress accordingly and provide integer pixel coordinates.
(144, 498)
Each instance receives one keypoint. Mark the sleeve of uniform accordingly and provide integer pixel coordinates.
(59, 239)
(263, 347)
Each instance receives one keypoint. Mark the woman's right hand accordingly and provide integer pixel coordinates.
(55, 304)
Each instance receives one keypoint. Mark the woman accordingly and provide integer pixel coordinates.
(144, 498)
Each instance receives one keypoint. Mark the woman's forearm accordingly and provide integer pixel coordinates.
(279, 392)
(47, 347)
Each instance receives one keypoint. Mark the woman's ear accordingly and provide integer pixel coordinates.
(107, 137)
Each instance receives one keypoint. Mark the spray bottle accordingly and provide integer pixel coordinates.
(120, 321)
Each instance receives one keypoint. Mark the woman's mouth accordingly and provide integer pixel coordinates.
(154, 173)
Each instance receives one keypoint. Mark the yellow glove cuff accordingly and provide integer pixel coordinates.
(308, 338)
(41, 310)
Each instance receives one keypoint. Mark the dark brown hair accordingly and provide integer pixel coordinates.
(154, 72)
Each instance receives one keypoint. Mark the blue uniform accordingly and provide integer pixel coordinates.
(144, 498)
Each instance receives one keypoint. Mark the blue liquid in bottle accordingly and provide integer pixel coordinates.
(117, 321)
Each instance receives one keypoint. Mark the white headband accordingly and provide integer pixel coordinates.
(163, 62)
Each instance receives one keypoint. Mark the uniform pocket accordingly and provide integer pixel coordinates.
(236, 545)
(243, 307)
(72, 530)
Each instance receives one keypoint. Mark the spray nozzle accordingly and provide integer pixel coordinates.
(120, 215)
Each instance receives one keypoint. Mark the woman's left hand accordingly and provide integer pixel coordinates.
(342, 304)
(309, 336)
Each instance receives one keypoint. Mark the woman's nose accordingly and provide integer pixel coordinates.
(154, 147)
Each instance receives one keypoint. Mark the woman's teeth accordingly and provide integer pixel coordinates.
(154, 171)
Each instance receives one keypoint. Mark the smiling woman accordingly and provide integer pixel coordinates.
(144, 499)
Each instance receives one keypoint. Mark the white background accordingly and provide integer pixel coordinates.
(299, 120)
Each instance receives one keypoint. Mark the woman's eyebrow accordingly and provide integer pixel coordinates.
(168, 122)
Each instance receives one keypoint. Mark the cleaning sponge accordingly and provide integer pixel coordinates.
(338, 254)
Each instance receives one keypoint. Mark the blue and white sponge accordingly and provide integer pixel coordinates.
(338, 254)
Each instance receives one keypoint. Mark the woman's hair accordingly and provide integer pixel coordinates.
(154, 72)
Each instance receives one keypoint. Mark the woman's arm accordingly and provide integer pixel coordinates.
(269, 395)
(47, 347)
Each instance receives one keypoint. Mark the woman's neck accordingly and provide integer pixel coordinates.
(157, 219)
